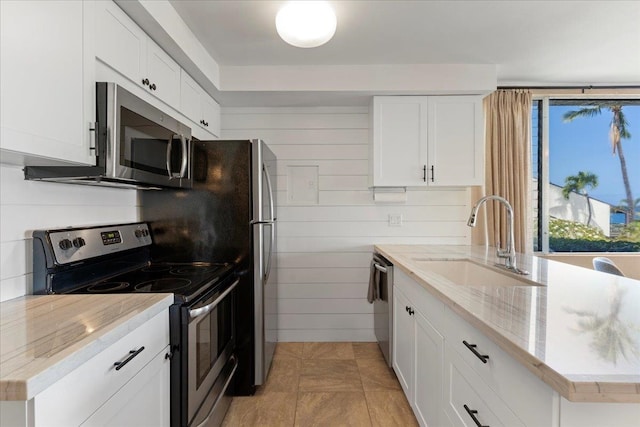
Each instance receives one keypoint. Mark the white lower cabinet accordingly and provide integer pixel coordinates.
(143, 401)
(127, 384)
(448, 384)
(469, 401)
(403, 342)
(417, 357)
(427, 399)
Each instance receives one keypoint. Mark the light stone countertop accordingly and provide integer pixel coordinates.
(579, 333)
(44, 337)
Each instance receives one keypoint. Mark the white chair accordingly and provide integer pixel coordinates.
(606, 265)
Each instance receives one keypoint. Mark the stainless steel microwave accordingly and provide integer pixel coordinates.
(137, 146)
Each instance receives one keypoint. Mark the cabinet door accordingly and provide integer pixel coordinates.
(403, 342)
(211, 114)
(190, 98)
(143, 401)
(399, 141)
(120, 43)
(46, 102)
(429, 349)
(455, 141)
(164, 75)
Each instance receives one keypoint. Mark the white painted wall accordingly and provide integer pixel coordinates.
(324, 249)
(575, 209)
(28, 205)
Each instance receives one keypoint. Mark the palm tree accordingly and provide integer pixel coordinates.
(617, 132)
(579, 183)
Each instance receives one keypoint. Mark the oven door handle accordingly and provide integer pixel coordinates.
(201, 311)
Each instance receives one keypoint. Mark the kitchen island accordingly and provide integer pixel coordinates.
(64, 358)
(576, 330)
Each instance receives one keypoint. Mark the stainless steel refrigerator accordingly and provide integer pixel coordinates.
(228, 216)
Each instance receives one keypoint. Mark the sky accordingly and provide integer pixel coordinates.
(583, 145)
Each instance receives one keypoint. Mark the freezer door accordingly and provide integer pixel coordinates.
(265, 276)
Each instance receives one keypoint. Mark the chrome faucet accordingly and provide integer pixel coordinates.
(509, 253)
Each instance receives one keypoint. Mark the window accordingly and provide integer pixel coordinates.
(586, 175)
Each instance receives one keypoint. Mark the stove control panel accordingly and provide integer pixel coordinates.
(77, 244)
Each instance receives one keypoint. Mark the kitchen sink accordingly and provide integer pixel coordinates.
(468, 273)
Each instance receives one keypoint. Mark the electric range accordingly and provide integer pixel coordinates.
(117, 259)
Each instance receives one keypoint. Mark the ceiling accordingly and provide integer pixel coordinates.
(531, 43)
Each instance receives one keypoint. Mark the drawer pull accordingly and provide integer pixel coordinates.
(472, 347)
(132, 354)
(472, 413)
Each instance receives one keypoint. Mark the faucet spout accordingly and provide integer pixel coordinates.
(509, 252)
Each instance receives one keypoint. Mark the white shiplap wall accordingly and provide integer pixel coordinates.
(324, 249)
(28, 205)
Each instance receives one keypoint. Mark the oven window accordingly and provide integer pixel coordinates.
(213, 334)
(144, 144)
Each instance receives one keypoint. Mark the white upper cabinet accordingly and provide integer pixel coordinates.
(125, 47)
(47, 81)
(456, 144)
(199, 107)
(164, 74)
(427, 141)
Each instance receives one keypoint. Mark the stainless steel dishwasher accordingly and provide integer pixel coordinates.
(383, 306)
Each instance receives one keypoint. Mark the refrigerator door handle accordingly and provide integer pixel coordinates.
(273, 236)
(270, 189)
(271, 222)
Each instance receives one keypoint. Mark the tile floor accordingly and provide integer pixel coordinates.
(325, 384)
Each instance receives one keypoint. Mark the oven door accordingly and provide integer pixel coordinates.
(148, 145)
(211, 341)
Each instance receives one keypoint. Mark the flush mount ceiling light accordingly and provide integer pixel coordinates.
(306, 23)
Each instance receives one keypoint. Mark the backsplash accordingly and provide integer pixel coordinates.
(28, 205)
(327, 225)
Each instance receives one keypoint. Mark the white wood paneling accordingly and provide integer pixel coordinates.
(29, 205)
(324, 250)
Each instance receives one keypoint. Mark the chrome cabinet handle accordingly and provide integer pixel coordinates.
(380, 268)
(132, 354)
(472, 413)
(201, 311)
(472, 348)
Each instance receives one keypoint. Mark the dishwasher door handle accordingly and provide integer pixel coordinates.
(380, 268)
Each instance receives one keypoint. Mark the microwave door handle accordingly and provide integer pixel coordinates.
(185, 156)
(201, 311)
(169, 158)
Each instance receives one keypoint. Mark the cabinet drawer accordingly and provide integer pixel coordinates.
(75, 397)
(503, 374)
(468, 397)
(143, 401)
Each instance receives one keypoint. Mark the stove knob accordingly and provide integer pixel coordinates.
(79, 242)
(138, 233)
(65, 244)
